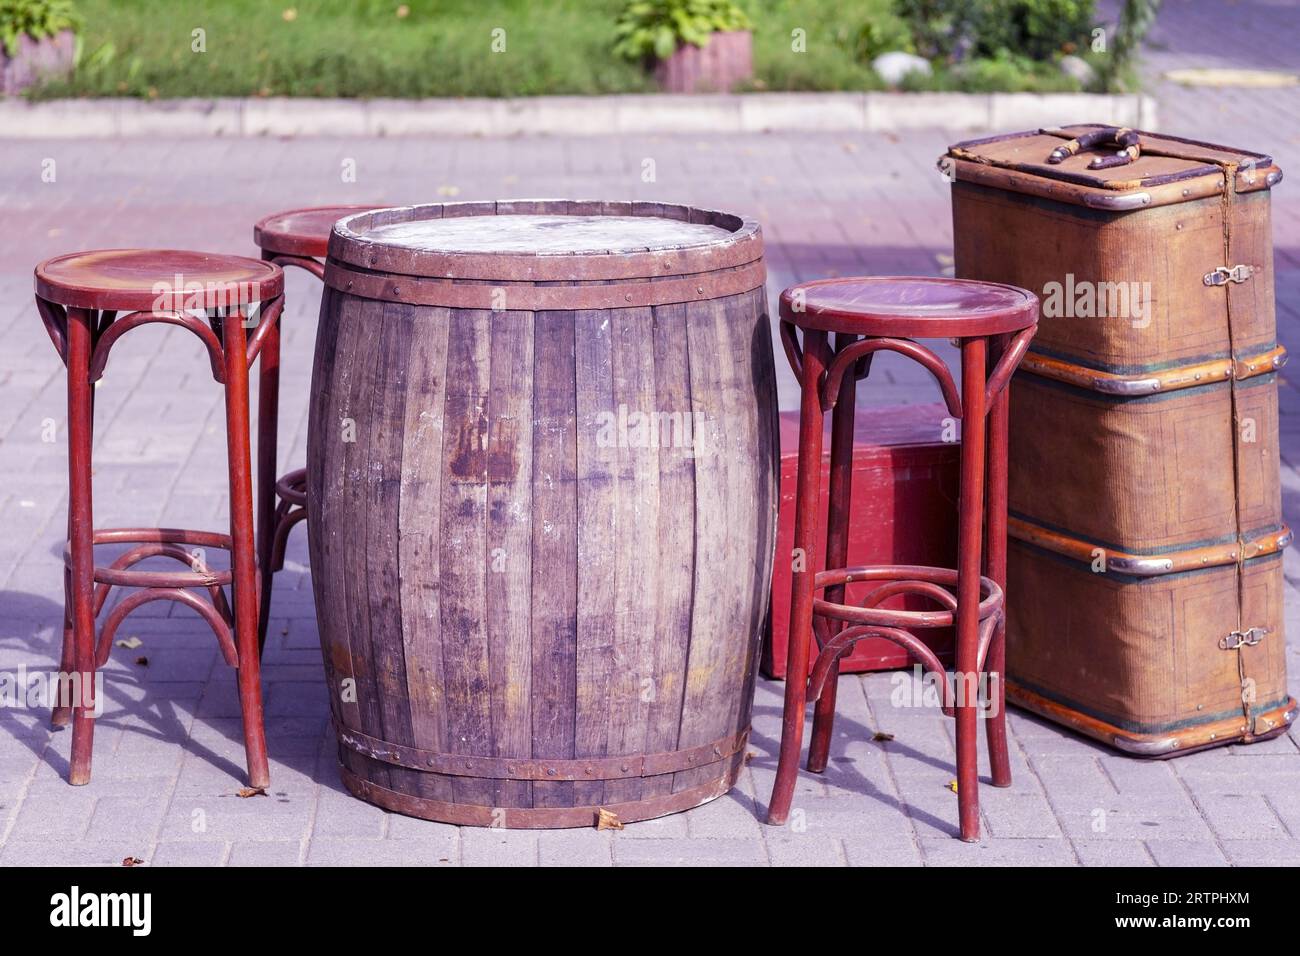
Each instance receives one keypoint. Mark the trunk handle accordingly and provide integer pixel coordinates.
(1124, 139)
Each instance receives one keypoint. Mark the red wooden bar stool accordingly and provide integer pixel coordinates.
(993, 323)
(89, 300)
(296, 237)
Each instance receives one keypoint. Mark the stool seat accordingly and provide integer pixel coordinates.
(301, 232)
(164, 280)
(909, 307)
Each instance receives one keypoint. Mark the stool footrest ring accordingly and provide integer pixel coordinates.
(161, 585)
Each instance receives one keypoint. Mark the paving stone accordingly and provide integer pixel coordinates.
(402, 827)
(199, 817)
(187, 853)
(361, 852)
(486, 846)
(686, 852)
(126, 818)
(268, 853)
(1274, 853)
(1020, 815)
(1141, 820)
(63, 821)
(730, 816)
(340, 814)
(990, 852)
(1241, 816)
(1186, 853)
(588, 847)
(53, 852)
(803, 849)
(660, 828)
(1112, 853)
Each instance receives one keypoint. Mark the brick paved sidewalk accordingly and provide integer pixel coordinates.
(168, 756)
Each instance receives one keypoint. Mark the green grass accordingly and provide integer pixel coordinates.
(361, 48)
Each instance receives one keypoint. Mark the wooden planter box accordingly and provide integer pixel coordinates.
(34, 59)
(721, 66)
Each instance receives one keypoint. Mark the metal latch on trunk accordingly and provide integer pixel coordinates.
(1247, 638)
(1222, 275)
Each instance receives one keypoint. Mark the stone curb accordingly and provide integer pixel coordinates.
(570, 115)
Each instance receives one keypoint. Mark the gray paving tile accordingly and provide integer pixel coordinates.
(363, 852)
(949, 852)
(687, 852)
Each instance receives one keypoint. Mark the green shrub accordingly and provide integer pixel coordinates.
(881, 35)
(1037, 29)
(955, 30)
(941, 29)
(36, 18)
(653, 29)
(1005, 73)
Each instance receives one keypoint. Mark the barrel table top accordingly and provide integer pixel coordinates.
(547, 235)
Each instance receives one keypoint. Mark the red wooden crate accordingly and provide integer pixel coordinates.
(904, 511)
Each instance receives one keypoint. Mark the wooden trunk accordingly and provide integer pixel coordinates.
(904, 507)
(1145, 569)
(542, 458)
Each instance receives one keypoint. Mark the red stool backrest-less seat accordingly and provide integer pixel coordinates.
(993, 325)
(294, 237)
(88, 301)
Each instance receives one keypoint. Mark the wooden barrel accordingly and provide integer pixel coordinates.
(542, 466)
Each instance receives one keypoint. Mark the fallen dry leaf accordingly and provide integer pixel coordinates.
(130, 643)
(882, 736)
(131, 861)
(951, 785)
(607, 821)
(247, 792)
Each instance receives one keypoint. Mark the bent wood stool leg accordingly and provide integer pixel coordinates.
(268, 412)
(969, 533)
(81, 576)
(995, 524)
(242, 554)
(807, 499)
(62, 710)
(837, 548)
